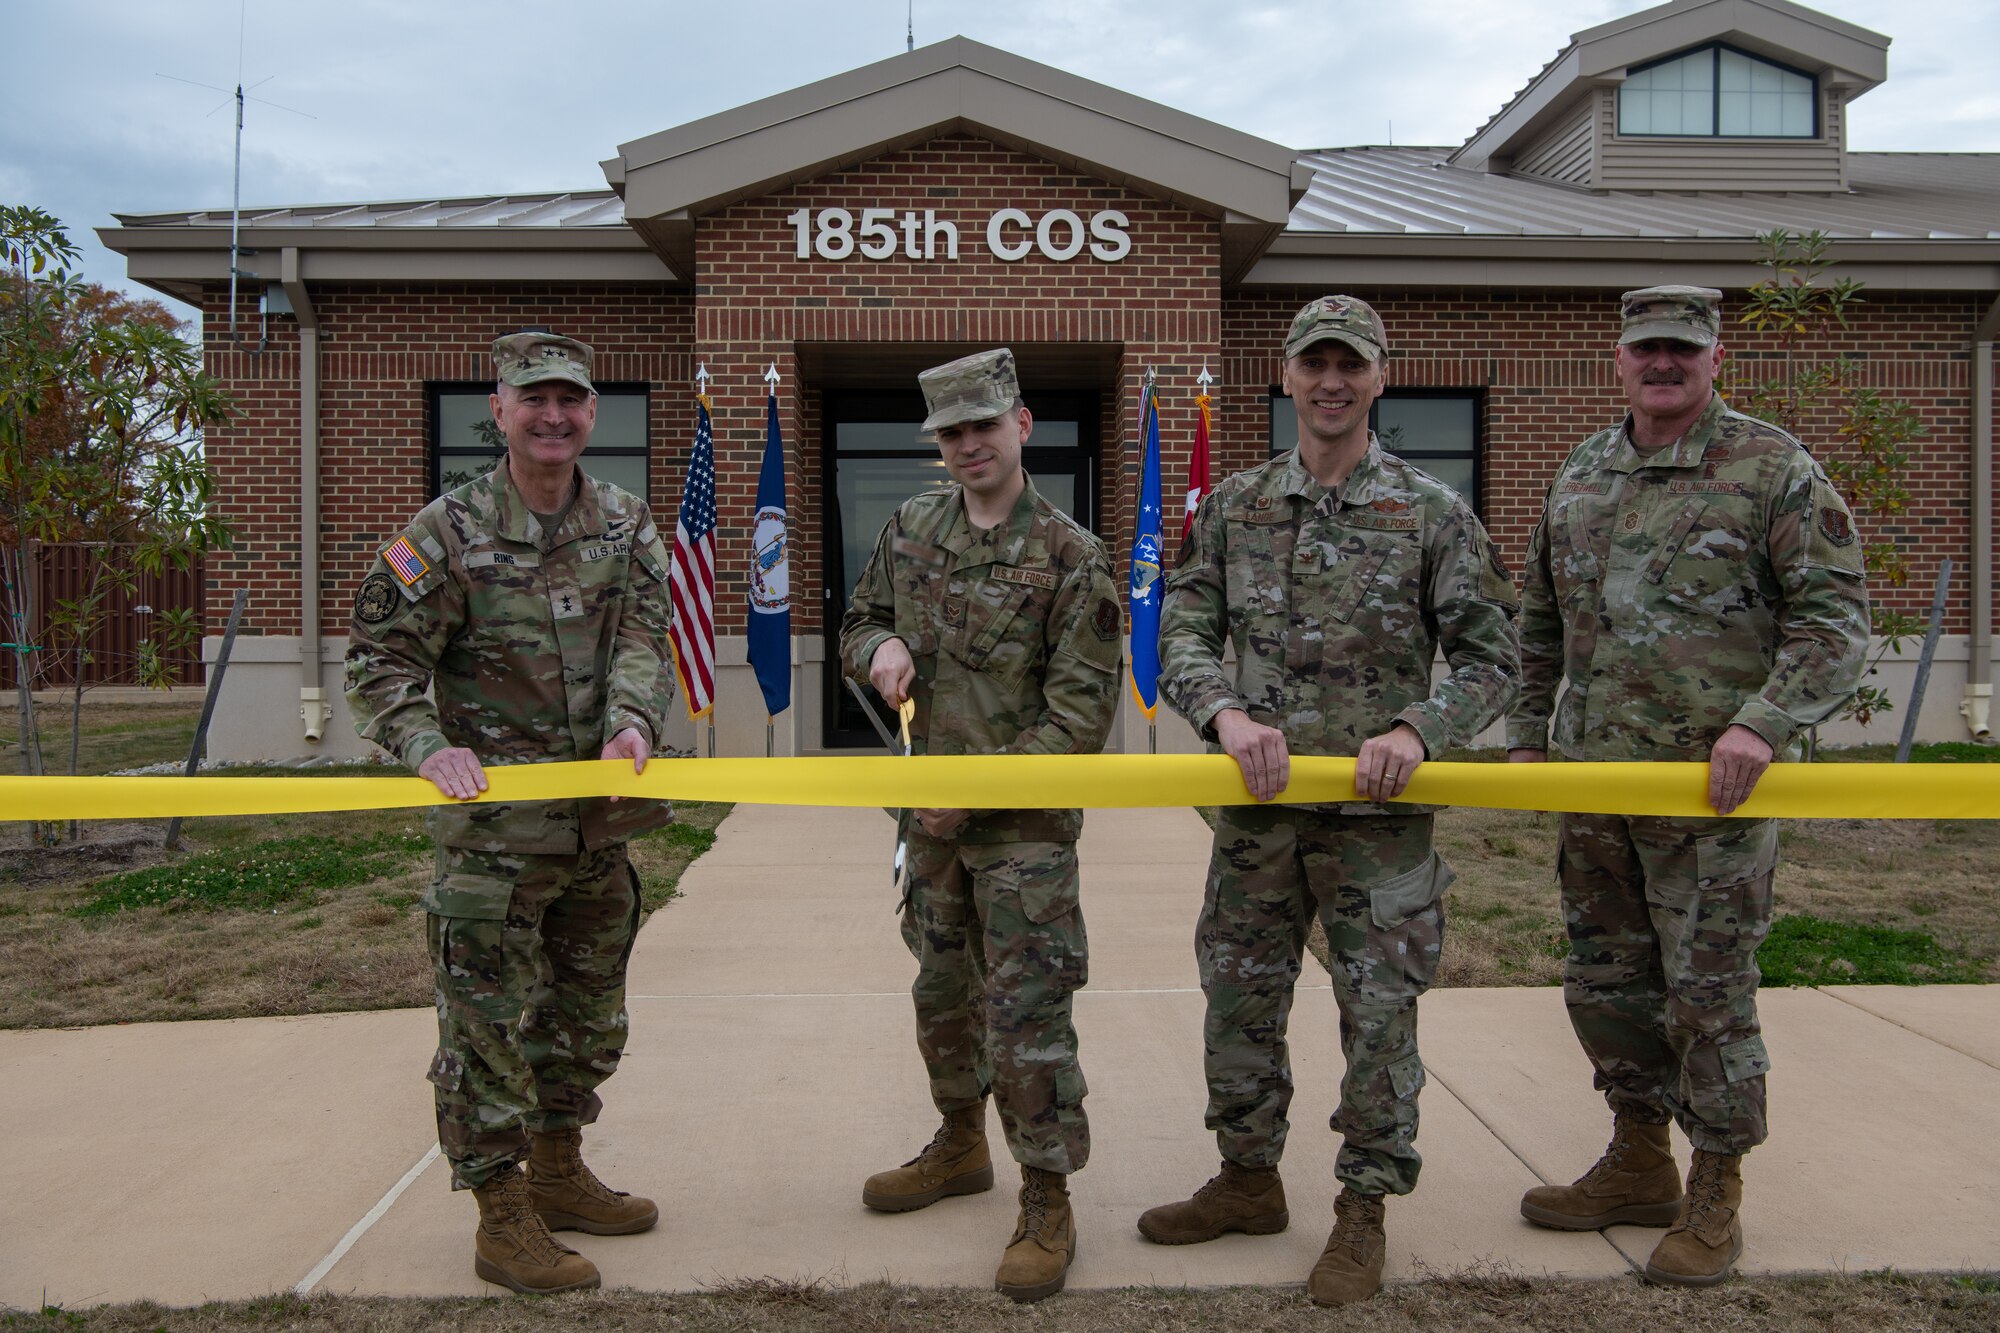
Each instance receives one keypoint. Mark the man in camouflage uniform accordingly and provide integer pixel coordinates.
(533, 602)
(1336, 572)
(1697, 581)
(994, 613)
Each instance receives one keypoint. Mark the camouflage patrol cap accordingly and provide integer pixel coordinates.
(529, 358)
(1345, 319)
(1684, 314)
(972, 388)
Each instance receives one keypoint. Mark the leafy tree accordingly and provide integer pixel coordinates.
(102, 405)
(1868, 457)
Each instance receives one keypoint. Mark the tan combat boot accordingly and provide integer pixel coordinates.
(1037, 1260)
(1705, 1241)
(1350, 1267)
(1635, 1183)
(514, 1248)
(955, 1162)
(1249, 1199)
(570, 1197)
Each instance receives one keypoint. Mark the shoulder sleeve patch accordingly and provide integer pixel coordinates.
(1495, 583)
(376, 601)
(1105, 620)
(1833, 542)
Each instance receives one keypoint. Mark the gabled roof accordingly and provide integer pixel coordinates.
(1838, 53)
(954, 86)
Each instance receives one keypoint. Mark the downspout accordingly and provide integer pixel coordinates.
(1979, 669)
(313, 709)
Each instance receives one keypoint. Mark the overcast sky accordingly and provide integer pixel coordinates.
(437, 98)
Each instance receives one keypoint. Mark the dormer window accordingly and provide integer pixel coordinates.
(1718, 91)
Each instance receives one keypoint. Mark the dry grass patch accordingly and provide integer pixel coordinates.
(1479, 1298)
(125, 733)
(349, 937)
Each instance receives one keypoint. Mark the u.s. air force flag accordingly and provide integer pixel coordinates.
(1146, 585)
(770, 627)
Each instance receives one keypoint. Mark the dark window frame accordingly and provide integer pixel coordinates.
(436, 390)
(1715, 50)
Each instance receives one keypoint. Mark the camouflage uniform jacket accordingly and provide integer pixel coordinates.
(1336, 602)
(1717, 581)
(540, 649)
(1015, 633)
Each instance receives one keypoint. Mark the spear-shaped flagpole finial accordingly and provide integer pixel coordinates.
(1152, 376)
(1204, 379)
(771, 377)
(701, 377)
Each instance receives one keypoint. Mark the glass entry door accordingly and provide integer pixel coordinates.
(875, 462)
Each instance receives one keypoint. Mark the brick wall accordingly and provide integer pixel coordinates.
(756, 301)
(380, 346)
(1541, 357)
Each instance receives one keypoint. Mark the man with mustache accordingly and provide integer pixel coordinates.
(1336, 572)
(1697, 581)
(993, 613)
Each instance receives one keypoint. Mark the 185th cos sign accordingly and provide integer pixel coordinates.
(1011, 234)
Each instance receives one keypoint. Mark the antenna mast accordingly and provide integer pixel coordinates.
(910, 26)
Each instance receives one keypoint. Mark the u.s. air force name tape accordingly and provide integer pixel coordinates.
(990, 782)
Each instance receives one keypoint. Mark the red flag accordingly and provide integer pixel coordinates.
(1197, 470)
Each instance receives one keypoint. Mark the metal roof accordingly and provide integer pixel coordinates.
(1381, 191)
(1416, 192)
(583, 208)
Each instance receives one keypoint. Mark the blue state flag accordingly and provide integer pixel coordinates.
(1146, 585)
(770, 628)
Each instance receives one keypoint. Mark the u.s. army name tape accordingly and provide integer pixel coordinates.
(989, 782)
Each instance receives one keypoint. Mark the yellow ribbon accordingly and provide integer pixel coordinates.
(982, 782)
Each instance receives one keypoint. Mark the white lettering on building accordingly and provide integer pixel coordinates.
(1011, 234)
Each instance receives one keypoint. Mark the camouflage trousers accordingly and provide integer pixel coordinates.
(531, 1007)
(997, 932)
(1377, 886)
(1664, 917)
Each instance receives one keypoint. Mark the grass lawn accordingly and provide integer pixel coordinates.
(1481, 1298)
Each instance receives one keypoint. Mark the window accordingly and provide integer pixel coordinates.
(465, 442)
(1437, 429)
(1719, 91)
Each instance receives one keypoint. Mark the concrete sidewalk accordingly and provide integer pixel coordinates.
(772, 1067)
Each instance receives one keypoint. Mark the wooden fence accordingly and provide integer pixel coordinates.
(63, 572)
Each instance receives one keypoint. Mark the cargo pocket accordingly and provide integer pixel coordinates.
(1745, 1060)
(1070, 1087)
(1406, 1076)
(1395, 901)
(1048, 895)
(1406, 932)
(447, 1070)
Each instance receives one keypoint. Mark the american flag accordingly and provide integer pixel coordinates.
(692, 576)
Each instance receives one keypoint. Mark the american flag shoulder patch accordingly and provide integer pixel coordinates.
(403, 558)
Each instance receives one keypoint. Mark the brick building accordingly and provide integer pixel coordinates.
(855, 230)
